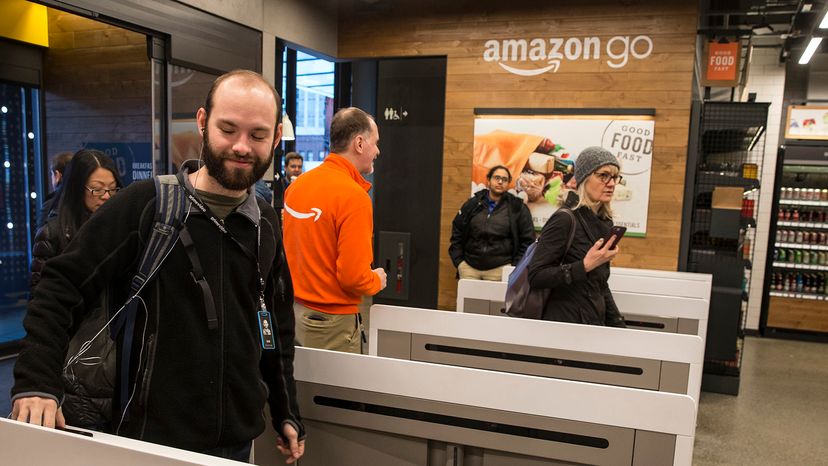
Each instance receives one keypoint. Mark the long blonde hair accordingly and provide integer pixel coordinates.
(602, 209)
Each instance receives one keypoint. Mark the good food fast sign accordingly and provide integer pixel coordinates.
(532, 57)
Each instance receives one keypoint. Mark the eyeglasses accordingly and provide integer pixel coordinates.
(606, 177)
(100, 192)
(500, 179)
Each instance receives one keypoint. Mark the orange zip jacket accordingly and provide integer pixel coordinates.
(328, 235)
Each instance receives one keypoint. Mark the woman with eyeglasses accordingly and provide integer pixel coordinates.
(576, 273)
(90, 180)
(492, 229)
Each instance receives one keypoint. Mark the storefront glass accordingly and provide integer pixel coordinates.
(314, 107)
(20, 190)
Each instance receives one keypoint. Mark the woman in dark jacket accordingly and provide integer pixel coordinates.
(578, 276)
(491, 230)
(90, 180)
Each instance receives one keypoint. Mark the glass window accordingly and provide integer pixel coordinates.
(314, 107)
(22, 191)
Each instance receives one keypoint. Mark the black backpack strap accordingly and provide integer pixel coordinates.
(198, 276)
(170, 209)
(571, 231)
(567, 268)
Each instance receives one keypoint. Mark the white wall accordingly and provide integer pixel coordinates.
(767, 79)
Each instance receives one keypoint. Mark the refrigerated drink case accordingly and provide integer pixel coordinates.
(795, 286)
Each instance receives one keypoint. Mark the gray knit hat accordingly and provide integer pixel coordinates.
(591, 159)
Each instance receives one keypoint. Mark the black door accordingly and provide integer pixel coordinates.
(408, 178)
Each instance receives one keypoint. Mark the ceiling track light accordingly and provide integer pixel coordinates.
(762, 29)
(809, 51)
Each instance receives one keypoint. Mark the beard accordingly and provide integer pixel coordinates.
(235, 179)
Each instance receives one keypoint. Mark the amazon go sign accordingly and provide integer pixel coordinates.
(531, 57)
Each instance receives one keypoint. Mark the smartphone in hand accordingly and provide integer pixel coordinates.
(616, 231)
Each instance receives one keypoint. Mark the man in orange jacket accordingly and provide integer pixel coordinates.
(328, 237)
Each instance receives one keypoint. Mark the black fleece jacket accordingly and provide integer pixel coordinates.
(465, 243)
(577, 296)
(194, 388)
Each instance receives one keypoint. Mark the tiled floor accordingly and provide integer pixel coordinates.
(781, 414)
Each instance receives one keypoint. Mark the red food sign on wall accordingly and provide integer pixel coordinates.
(723, 61)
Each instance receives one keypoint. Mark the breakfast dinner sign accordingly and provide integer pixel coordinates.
(541, 148)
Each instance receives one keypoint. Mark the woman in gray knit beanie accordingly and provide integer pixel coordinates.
(576, 273)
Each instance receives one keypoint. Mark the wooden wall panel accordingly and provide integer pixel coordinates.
(97, 83)
(459, 30)
(798, 314)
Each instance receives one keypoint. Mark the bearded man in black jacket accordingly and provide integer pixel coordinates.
(196, 381)
(491, 230)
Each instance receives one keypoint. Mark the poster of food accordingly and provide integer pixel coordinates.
(541, 149)
(807, 122)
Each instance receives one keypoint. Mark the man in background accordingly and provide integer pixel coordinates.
(56, 169)
(328, 237)
(293, 166)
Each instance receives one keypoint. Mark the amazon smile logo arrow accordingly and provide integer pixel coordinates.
(315, 212)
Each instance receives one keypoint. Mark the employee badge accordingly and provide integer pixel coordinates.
(266, 329)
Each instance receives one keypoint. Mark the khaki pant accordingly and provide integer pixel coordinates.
(468, 272)
(337, 332)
